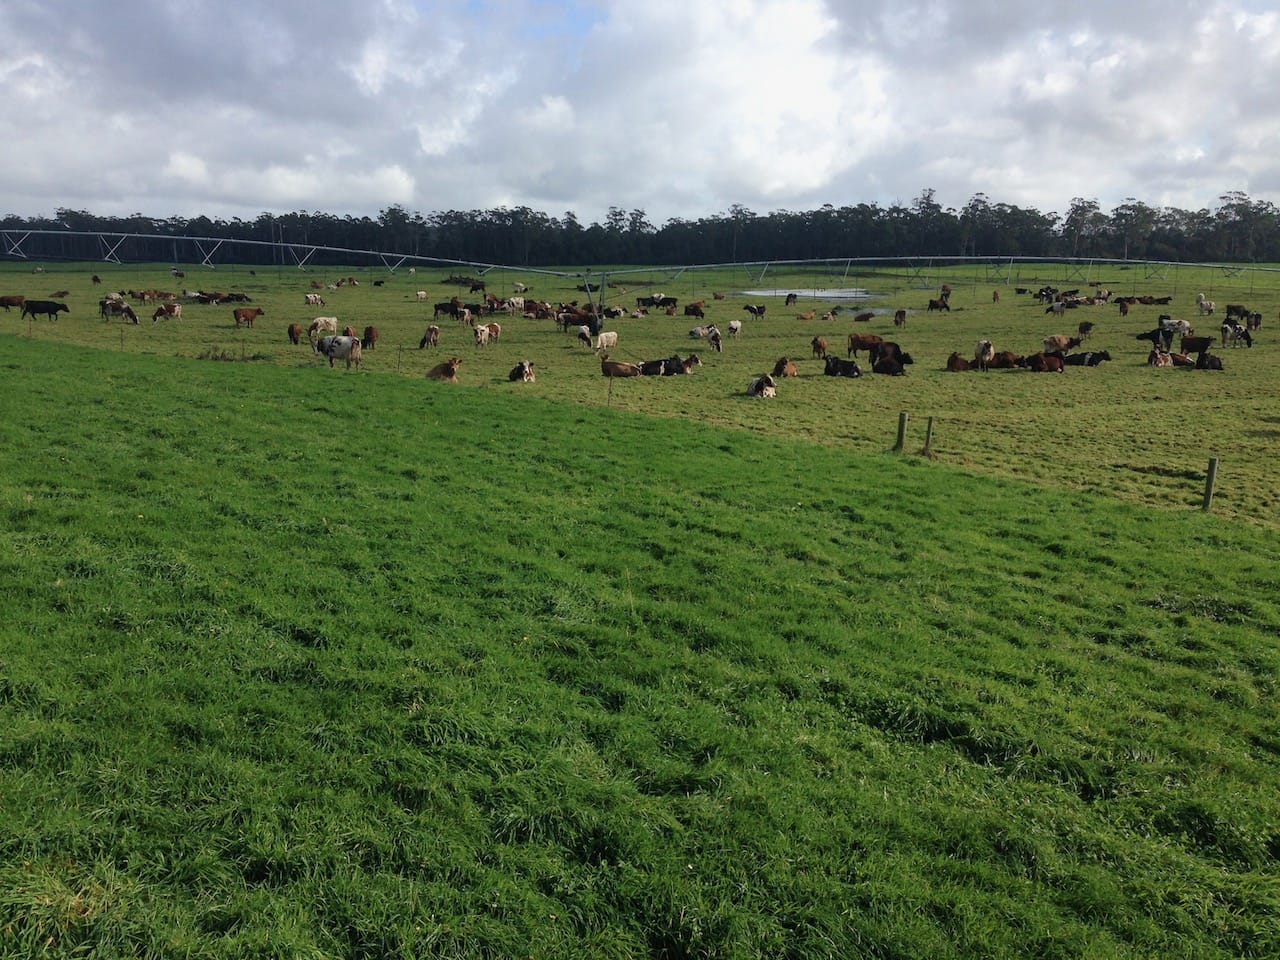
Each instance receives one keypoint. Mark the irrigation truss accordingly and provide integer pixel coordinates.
(920, 272)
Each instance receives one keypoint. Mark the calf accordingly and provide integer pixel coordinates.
(447, 371)
(819, 345)
(12, 301)
(735, 327)
(295, 333)
(957, 363)
(756, 310)
(1044, 363)
(607, 340)
(900, 318)
(864, 317)
(522, 372)
(313, 300)
(835, 367)
(1090, 359)
(1207, 361)
(938, 305)
(617, 368)
(369, 339)
(431, 338)
(983, 354)
(763, 387)
(1195, 344)
(246, 315)
(785, 367)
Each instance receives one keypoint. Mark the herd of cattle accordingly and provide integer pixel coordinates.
(883, 356)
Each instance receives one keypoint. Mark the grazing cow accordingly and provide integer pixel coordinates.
(1206, 306)
(1195, 344)
(369, 339)
(900, 318)
(819, 345)
(481, 333)
(1057, 308)
(518, 287)
(294, 332)
(246, 316)
(116, 308)
(835, 367)
(983, 354)
(477, 286)
(938, 305)
(1208, 361)
(694, 310)
(1182, 328)
(1160, 338)
(756, 310)
(888, 350)
(1085, 328)
(96, 279)
(862, 341)
(763, 387)
(617, 368)
(522, 372)
(171, 310)
(584, 335)
(340, 348)
(1233, 332)
(12, 301)
(785, 367)
(1060, 343)
(957, 363)
(51, 309)
(450, 308)
(864, 317)
(322, 325)
(313, 300)
(447, 371)
(735, 327)
(995, 296)
(1044, 363)
(431, 338)
(791, 299)
(1124, 307)
(606, 340)
(1237, 310)
(1089, 359)
(348, 331)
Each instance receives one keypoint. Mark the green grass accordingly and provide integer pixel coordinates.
(300, 663)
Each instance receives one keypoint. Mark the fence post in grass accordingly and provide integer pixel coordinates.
(902, 431)
(928, 438)
(399, 357)
(1209, 480)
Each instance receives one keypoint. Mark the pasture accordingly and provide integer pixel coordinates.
(1123, 428)
(305, 662)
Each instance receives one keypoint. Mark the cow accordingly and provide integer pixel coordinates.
(59, 294)
(369, 339)
(806, 317)
(246, 315)
(617, 368)
(900, 318)
(1085, 328)
(481, 333)
(1005, 360)
(1182, 328)
(313, 300)
(1206, 306)
(763, 387)
(819, 345)
(340, 348)
(518, 287)
(522, 372)
(957, 363)
(735, 327)
(785, 367)
(1159, 358)
(995, 296)
(348, 331)
(1207, 361)
(1160, 338)
(431, 338)
(172, 310)
(716, 343)
(1195, 344)
(12, 301)
(791, 299)
(835, 367)
(1124, 307)
(1089, 359)
(477, 286)
(1057, 308)
(420, 296)
(49, 308)
(116, 308)
(983, 354)
(1044, 363)
(1237, 310)
(1060, 343)
(450, 308)
(864, 317)
(607, 340)
(584, 334)
(888, 350)
(96, 279)
(447, 371)
(694, 310)
(1254, 322)
(938, 305)
(681, 367)
(756, 310)
(1233, 332)
(890, 366)
(862, 341)
(322, 325)
(295, 333)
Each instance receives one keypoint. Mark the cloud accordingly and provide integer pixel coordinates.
(223, 107)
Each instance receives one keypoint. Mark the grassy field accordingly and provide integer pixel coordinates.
(1141, 434)
(298, 662)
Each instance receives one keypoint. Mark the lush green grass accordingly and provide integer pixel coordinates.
(1131, 431)
(301, 663)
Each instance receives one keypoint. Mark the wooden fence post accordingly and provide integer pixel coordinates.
(1209, 481)
(902, 431)
(928, 438)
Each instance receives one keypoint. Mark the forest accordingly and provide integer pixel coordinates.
(1238, 230)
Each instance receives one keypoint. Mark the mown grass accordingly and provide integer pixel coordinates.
(364, 666)
(1133, 432)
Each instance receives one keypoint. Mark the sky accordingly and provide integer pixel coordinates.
(679, 108)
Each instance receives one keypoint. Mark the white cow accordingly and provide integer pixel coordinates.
(341, 348)
(322, 325)
(607, 340)
(764, 387)
(314, 300)
(482, 336)
(422, 296)
(735, 327)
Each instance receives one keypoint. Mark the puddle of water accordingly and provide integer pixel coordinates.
(814, 293)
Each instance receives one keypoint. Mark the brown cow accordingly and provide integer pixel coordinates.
(862, 341)
(995, 296)
(12, 301)
(1196, 344)
(785, 367)
(864, 317)
(295, 333)
(819, 345)
(349, 331)
(900, 318)
(957, 363)
(617, 368)
(1060, 343)
(1044, 363)
(246, 316)
(447, 371)
(369, 340)
(168, 310)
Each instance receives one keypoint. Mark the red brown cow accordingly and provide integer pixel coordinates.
(819, 345)
(785, 367)
(369, 339)
(246, 316)
(447, 371)
(957, 363)
(1044, 363)
(617, 368)
(862, 341)
(12, 301)
(295, 333)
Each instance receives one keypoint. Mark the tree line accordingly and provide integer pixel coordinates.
(1238, 229)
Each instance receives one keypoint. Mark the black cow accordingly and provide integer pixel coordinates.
(835, 367)
(1160, 338)
(890, 366)
(888, 350)
(1090, 359)
(1208, 361)
(49, 308)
